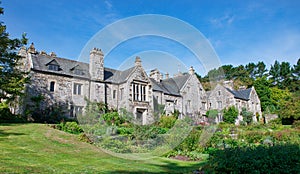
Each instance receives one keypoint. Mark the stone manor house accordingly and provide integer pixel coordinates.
(66, 81)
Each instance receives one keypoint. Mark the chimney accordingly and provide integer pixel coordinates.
(96, 67)
(138, 61)
(242, 87)
(52, 54)
(192, 71)
(155, 74)
(228, 84)
(31, 49)
(166, 75)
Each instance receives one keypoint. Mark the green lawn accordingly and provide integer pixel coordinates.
(37, 148)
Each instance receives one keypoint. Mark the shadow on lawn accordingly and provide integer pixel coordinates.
(4, 133)
(167, 167)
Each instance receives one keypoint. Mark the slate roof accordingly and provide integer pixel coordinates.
(243, 94)
(41, 62)
(66, 67)
(171, 86)
(116, 76)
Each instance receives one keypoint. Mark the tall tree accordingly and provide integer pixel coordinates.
(260, 69)
(12, 78)
(285, 75)
(250, 68)
(275, 73)
(262, 87)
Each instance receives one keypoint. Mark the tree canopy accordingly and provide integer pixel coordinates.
(12, 78)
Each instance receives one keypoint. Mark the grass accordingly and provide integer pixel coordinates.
(37, 148)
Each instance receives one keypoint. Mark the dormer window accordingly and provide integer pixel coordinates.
(53, 67)
(78, 72)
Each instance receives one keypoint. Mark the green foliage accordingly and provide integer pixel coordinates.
(291, 109)
(112, 118)
(7, 117)
(213, 113)
(12, 78)
(230, 115)
(167, 121)
(247, 116)
(262, 87)
(125, 130)
(145, 132)
(279, 97)
(70, 127)
(261, 159)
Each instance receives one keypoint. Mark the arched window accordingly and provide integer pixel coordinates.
(52, 86)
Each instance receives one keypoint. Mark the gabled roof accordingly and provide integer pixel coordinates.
(243, 94)
(116, 76)
(171, 86)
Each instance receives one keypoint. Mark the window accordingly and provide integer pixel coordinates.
(139, 92)
(77, 89)
(219, 92)
(78, 72)
(203, 105)
(76, 110)
(52, 86)
(53, 67)
(219, 105)
(122, 93)
(114, 94)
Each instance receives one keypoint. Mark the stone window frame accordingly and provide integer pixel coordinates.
(121, 93)
(77, 88)
(54, 87)
(114, 94)
(219, 104)
(139, 91)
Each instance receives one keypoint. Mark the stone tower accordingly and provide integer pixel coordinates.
(96, 64)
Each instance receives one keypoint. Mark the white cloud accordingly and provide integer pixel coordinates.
(223, 20)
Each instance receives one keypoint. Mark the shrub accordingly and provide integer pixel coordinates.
(296, 124)
(247, 116)
(70, 127)
(262, 159)
(112, 118)
(167, 121)
(230, 115)
(212, 113)
(144, 132)
(125, 130)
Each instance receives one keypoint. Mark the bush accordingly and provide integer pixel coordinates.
(70, 127)
(230, 115)
(247, 116)
(296, 124)
(125, 130)
(112, 118)
(167, 121)
(145, 132)
(262, 159)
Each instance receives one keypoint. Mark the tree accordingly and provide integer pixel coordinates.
(260, 69)
(275, 73)
(291, 109)
(279, 96)
(285, 75)
(12, 78)
(230, 115)
(262, 87)
(247, 116)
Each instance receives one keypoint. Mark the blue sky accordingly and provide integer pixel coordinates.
(239, 31)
